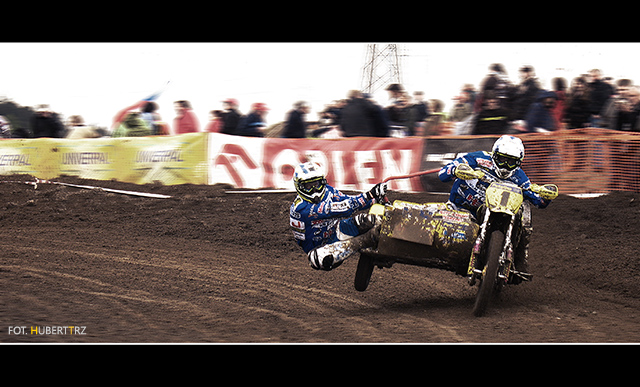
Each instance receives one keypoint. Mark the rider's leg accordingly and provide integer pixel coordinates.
(350, 240)
(521, 256)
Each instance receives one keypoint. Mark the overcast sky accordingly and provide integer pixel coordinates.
(95, 80)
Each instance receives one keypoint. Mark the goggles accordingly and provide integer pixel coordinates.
(312, 186)
(507, 162)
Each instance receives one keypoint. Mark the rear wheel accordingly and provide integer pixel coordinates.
(488, 284)
(363, 272)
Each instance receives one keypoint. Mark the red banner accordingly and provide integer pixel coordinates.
(350, 164)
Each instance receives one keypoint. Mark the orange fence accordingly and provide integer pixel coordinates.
(587, 160)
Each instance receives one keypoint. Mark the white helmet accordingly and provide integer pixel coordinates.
(310, 182)
(507, 155)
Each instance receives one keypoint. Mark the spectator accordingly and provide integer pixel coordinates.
(560, 88)
(77, 129)
(496, 82)
(253, 124)
(462, 107)
(525, 93)
(540, 118)
(149, 113)
(599, 93)
(215, 121)
(611, 108)
(329, 119)
(230, 116)
(295, 126)
(45, 123)
(395, 91)
(5, 128)
(380, 119)
(132, 126)
(577, 108)
(626, 118)
(493, 118)
(470, 91)
(358, 116)
(436, 117)
(330, 115)
(609, 81)
(417, 112)
(185, 120)
(398, 113)
(138, 106)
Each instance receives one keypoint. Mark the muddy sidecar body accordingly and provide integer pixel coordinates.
(429, 235)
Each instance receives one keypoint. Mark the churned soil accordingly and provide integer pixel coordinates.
(209, 266)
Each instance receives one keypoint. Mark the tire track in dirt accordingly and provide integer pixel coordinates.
(245, 291)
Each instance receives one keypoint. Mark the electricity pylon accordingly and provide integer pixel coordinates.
(382, 67)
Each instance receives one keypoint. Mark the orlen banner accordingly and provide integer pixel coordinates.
(350, 164)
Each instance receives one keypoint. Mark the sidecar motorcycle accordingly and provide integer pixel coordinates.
(435, 235)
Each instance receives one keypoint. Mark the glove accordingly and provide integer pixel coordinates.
(465, 172)
(378, 192)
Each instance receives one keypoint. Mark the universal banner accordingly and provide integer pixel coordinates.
(350, 164)
(34, 157)
(168, 160)
(95, 158)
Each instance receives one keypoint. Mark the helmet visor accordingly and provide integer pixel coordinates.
(312, 186)
(507, 162)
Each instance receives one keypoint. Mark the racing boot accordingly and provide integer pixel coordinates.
(330, 256)
(521, 260)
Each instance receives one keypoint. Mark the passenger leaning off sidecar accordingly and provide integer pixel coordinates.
(502, 164)
(323, 221)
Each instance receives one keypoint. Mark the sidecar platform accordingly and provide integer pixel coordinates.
(429, 235)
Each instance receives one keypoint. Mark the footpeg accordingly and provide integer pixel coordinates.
(522, 275)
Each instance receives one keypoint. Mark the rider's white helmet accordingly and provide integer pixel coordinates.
(507, 155)
(310, 182)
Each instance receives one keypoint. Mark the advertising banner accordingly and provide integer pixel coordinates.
(168, 160)
(236, 161)
(88, 158)
(27, 156)
(350, 164)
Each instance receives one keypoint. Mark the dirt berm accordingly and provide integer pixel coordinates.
(207, 266)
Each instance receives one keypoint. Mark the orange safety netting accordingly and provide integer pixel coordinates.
(586, 160)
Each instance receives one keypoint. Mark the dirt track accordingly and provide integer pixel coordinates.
(210, 267)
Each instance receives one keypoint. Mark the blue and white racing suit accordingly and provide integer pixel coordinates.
(318, 224)
(470, 194)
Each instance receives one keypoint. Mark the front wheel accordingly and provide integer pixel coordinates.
(363, 272)
(487, 286)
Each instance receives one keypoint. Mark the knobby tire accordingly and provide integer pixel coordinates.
(488, 284)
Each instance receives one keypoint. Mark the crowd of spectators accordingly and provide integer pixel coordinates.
(498, 106)
(501, 106)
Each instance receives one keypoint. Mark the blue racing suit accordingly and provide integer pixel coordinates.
(329, 221)
(470, 194)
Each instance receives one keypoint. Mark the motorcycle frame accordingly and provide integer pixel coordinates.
(491, 220)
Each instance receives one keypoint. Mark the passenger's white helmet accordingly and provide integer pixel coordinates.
(507, 155)
(310, 181)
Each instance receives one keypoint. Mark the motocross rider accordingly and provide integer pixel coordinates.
(323, 221)
(501, 164)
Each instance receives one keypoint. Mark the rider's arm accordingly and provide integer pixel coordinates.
(534, 198)
(447, 173)
(341, 205)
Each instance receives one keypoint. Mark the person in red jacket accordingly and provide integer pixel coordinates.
(186, 120)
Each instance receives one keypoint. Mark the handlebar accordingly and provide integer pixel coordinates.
(465, 172)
